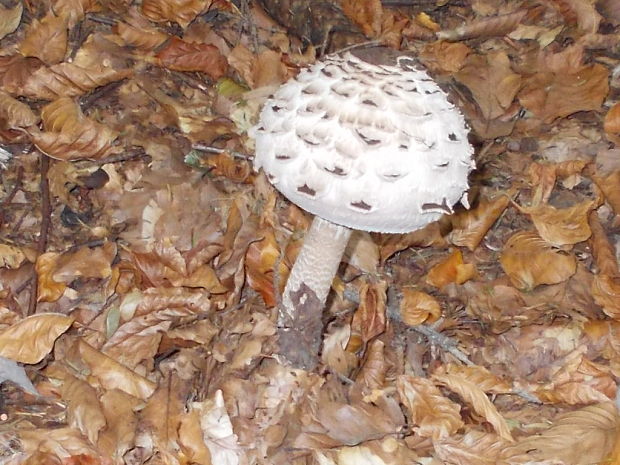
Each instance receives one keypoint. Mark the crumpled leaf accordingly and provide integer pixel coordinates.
(417, 307)
(606, 293)
(10, 18)
(543, 177)
(46, 39)
(179, 55)
(562, 90)
(75, 10)
(367, 15)
(32, 338)
(432, 415)
(611, 124)
(84, 410)
(119, 435)
(491, 71)
(471, 393)
(473, 448)
(71, 135)
(451, 270)
(610, 185)
(15, 114)
(260, 263)
(530, 261)
(369, 318)
(182, 12)
(596, 426)
(486, 27)
(470, 226)
(140, 33)
(561, 226)
(478, 375)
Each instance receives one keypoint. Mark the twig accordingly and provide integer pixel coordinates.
(46, 214)
(210, 149)
(120, 157)
(445, 342)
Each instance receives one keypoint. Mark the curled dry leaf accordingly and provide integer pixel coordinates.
(367, 15)
(182, 12)
(15, 114)
(530, 261)
(471, 393)
(140, 33)
(583, 14)
(561, 226)
(372, 373)
(10, 18)
(32, 338)
(543, 177)
(428, 236)
(470, 226)
(451, 270)
(119, 435)
(480, 376)
(68, 80)
(83, 407)
(610, 185)
(606, 293)
(603, 251)
(46, 39)
(48, 290)
(70, 135)
(487, 27)
(418, 307)
(555, 94)
(473, 448)
(179, 55)
(260, 262)
(431, 414)
(75, 10)
(611, 123)
(492, 71)
(369, 318)
(445, 56)
(596, 426)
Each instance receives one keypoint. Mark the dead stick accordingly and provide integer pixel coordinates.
(46, 214)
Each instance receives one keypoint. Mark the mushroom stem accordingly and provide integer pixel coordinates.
(306, 290)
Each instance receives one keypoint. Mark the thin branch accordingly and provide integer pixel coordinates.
(46, 214)
(210, 149)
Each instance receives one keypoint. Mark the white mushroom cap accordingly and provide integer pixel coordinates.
(367, 146)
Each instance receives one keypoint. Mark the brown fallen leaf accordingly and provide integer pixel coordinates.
(478, 375)
(15, 114)
(473, 448)
(71, 135)
(32, 338)
(431, 414)
(470, 226)
(46, 39)
(603, 250)
(596, 426)
(610, 185)
(611, 124)
(367, 15)
(445, 56)
(472, 393)
(182, 12)
(561, 226)
(418, 307)
(137, 32)
(543, 177)
(487, 27)
(179, 55)
(83, 408)
(428, 236)
(260, 262)
(606, 293)
(530, 261)
(10, 18)
(451, 270)
(120, 432)
(369, 318)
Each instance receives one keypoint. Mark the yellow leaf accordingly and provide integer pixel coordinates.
(418, 307)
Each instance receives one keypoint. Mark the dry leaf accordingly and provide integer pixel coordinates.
(432, 415)
(470, 226)
(119, 435)
(138, 32)
(603, 251)
(543, 177)
(606, 293)
(471, 393)
(46, 39)
(70, 135)
(68, 80)
(83, 408)
(611, 124)
(15, 114)
(179, 55)
(260, 262)
(74, 11)
(561, 226)
(373, 371)
(610, 185)
(579, 12)
(595, 426)
(492, 71)
(487, 27)
(428, 236)
(530, 261)
(478, 375)
(367, 15)
(564, 89)
(369, 318)
(32, 338)
(473, 448)
(445, 56)
(182, 12)
(418, 307)
(48, 289)
(10, 19)
(451, 270)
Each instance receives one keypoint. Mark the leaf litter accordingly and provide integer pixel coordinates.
(142, 259)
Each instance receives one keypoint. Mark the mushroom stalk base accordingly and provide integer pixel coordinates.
(299, 318)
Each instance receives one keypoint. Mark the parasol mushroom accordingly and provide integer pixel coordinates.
(363, 140)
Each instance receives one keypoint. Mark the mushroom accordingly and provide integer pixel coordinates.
(365, 140)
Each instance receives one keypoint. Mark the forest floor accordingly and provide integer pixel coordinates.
(142, 258)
